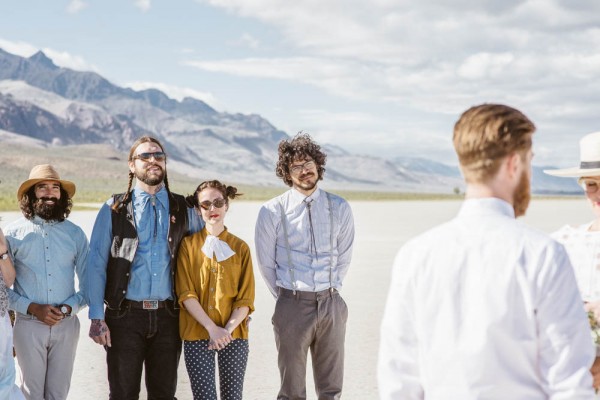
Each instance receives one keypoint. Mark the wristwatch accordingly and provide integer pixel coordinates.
(4, 256)
(65, 310)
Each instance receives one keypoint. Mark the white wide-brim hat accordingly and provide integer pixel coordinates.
(589, 156)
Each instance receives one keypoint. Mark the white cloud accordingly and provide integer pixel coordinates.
(19, 48)
(436, 56)
(60, 58)
(67, 60)
(248, 40)
(176, 92)
(143, 5)
(75, 6)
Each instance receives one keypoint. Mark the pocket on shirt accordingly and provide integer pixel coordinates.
(228, 278)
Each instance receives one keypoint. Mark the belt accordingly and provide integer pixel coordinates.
(307, 295)
(148, 304)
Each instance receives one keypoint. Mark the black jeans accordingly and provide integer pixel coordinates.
(148, 338)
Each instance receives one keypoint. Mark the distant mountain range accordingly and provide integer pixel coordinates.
(60, 106)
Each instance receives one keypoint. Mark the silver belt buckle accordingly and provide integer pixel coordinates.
(150, 304)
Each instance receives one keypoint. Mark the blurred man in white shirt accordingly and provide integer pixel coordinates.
(484, 307)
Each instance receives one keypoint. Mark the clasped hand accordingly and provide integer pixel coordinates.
(219, 338)
(45, 313)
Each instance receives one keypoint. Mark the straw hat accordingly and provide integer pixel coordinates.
(44, 172)
(589, 155)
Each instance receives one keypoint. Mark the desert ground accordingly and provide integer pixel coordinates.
(381, 228)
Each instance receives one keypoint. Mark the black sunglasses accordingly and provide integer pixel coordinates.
(218, 203)
(158, 156)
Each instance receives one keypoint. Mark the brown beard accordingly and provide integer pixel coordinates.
(522, 195)
(143, 176)
(49, 212)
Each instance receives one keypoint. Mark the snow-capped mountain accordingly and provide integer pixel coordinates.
(60, 106)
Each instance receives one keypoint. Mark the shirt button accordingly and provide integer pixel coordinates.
(210, 307)
(212, 289)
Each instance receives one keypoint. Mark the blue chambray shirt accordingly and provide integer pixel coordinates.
(150, 277)
(47, 255)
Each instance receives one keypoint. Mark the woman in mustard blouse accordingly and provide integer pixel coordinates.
(215, 288)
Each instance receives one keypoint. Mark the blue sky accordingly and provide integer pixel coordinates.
(379, 77)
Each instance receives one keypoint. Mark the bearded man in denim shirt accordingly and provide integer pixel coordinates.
(131, 269)
(47, 251)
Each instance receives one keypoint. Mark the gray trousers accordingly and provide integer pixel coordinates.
(315, 321)
(46, 356)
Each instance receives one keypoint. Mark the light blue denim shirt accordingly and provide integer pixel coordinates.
(47, 255)
(150, 277)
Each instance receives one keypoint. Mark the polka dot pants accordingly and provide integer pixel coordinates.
(200, 365)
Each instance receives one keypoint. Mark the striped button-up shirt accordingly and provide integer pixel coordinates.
(311, 269)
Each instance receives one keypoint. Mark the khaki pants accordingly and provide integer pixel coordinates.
(315, 321)
(46, 356)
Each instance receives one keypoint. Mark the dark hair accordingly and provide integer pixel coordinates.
(26, 204)
(134, 146)
(300, 147)
(228, 192)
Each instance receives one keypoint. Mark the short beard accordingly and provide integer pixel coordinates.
(142, 175)
(307, 185)
(49, 212)
(522, 195)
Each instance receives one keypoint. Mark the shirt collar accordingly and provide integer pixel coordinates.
(41, 221)
(141, 198)
(297, 198)
(486, 206)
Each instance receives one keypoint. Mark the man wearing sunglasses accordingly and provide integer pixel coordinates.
(304, 245)
(131, 269)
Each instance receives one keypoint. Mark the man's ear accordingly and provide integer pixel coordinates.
(513, 164)
(131, 166)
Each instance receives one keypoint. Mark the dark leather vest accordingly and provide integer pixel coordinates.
(125, 242)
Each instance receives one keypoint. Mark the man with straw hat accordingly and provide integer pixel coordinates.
(583, 242)
(47, 251)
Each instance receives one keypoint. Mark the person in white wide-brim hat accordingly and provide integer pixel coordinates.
(583, 242)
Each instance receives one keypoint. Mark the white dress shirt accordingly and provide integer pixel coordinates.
(311, 267)
(484, 307)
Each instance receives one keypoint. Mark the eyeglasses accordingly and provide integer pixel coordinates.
(158, 156)
(296, 169)
(218, 203)
(589, 185)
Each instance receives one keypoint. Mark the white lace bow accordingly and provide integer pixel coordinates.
(213, 245)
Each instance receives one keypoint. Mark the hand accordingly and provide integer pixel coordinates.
(593, 306)
(45, 313)
(219, 338)
(99, 332)
(595, 370)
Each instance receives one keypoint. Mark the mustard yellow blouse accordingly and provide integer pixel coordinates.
(220, 287)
